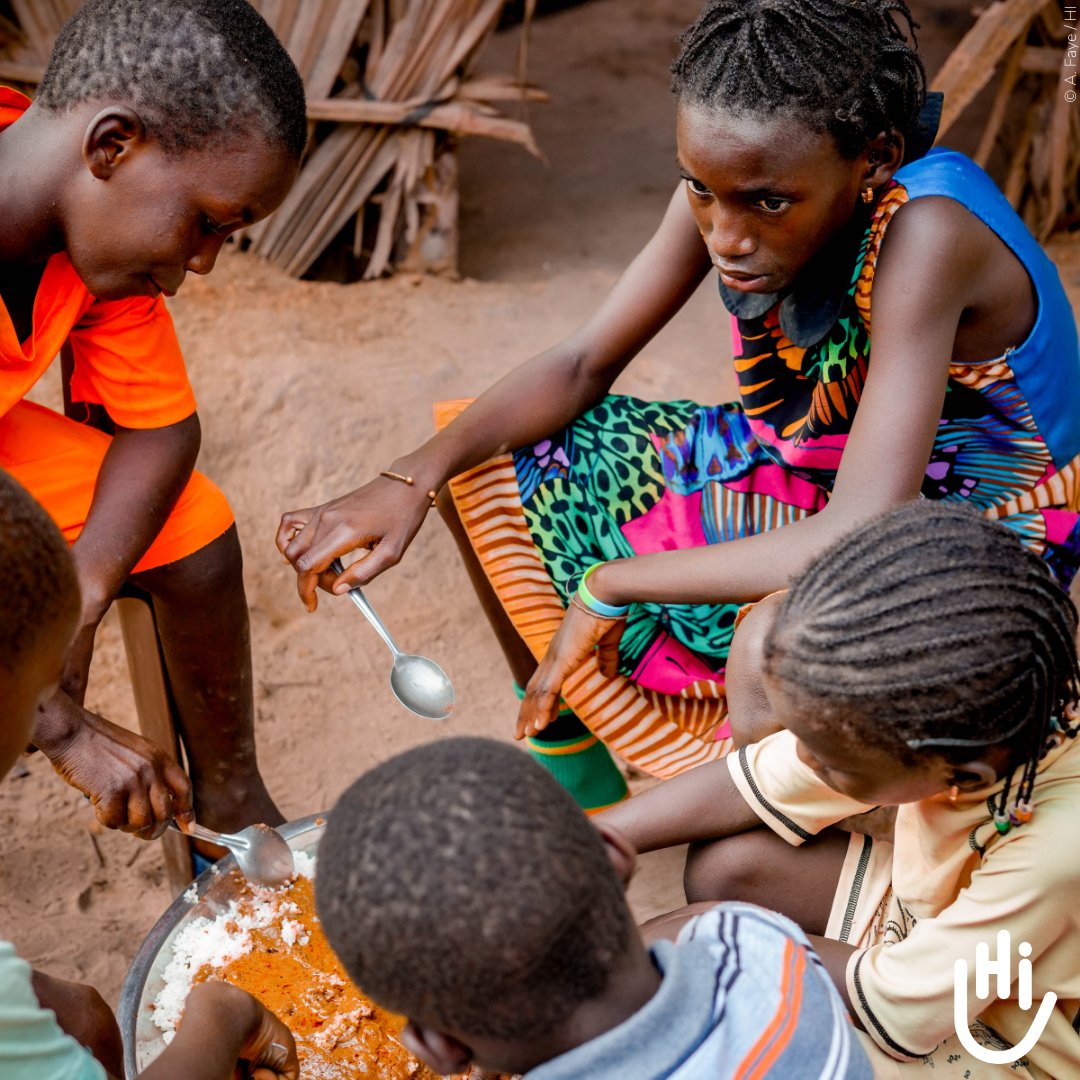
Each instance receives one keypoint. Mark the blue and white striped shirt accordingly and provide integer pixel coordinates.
(743, 995)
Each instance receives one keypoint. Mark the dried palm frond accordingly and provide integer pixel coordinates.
(1034, 113)
(389, 88)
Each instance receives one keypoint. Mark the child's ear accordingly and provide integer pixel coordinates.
(620, 851)
(973, 774)
(435, 1048)
(885, 155)
(110, 137)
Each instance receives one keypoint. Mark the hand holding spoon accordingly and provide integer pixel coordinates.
(261, 852)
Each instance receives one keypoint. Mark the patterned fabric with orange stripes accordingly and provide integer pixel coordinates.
(632, 477)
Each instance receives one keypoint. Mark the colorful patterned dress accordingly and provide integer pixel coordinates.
(632, 477)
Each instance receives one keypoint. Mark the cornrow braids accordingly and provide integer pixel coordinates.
(845, 67)
(196, 70)
(37, 575)
(934, 630)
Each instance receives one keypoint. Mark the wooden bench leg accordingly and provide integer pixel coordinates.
(154, 710)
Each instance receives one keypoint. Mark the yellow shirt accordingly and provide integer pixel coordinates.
(956, 882)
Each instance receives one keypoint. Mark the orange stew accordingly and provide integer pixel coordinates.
(340, 1034)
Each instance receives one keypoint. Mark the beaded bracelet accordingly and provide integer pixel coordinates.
(595, 606)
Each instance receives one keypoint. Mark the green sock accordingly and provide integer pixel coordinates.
(581, 763)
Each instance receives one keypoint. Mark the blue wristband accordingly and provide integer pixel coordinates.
(598, 607)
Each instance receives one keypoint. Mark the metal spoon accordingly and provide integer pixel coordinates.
(261, 852)
(418, 683)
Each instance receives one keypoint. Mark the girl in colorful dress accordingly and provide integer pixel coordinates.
(613, 547)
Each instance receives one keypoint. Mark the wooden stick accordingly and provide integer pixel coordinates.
(459, 118)
(346, 204)
(1059, 144)
(344, 154)
(388, 216)
(340, 40)
(38, 40)
(1001, 103)
(304, 33)
(1016, 178)
(1050, 21)
(971, 64)
(286, 18)
(500, 88)
(1042, 60)
(330, 165)
(15, 71)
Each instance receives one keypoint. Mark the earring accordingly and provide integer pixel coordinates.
(954, 794)
(868, 195)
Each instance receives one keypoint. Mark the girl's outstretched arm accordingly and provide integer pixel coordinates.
(700, 804)
(930, 272)
(540, 396)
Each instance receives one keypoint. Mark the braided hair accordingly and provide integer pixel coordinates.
(844, 67)
(933, 630)
(196, 70)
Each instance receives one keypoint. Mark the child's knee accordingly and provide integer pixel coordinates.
(200, 522)
(214, 570)
(734, 868)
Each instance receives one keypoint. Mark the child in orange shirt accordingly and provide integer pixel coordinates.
(160, 127)
(39, 612)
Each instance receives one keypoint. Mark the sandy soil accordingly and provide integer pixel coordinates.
(308, 389)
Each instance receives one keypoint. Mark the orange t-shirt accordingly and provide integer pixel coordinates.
(127, 357)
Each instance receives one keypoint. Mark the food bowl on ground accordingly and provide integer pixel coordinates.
(268, 942)
(209, 896)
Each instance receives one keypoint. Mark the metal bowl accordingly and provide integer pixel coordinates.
(214, 889)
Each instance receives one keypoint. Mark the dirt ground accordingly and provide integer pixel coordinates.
(306, 390)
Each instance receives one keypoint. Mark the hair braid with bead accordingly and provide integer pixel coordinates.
(933, 630)
(844, 66)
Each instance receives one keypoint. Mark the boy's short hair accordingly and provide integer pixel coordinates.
(195, 70)
(37, 574)
(460, 885)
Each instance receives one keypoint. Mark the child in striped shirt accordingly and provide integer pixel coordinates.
(511, 947)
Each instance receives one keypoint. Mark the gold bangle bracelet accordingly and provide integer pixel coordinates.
(406, 480)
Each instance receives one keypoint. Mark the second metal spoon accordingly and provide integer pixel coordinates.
(261, 852)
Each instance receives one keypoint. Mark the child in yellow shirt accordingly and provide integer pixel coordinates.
(927, 662)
